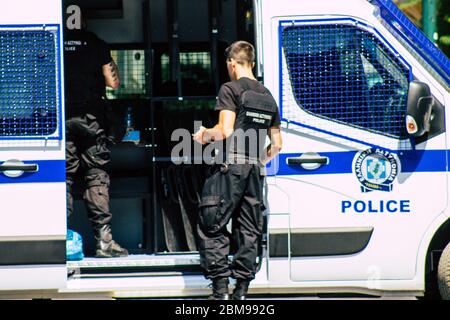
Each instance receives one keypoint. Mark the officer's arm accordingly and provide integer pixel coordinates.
(220, 131)
(111, 74)
(276, 143)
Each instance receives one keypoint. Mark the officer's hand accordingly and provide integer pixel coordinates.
(198, 136)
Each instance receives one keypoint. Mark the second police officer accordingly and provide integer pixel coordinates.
(234, 188)
(89, 68)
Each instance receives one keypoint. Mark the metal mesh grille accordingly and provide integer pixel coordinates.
(131, 64)
(28, 83)
(196, 67)
(195, 74)
(343, 74)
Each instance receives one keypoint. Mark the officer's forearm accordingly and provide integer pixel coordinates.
(111, 74)
(270, 152)
(215, 134)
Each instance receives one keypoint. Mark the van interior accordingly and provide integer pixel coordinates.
(170, 55)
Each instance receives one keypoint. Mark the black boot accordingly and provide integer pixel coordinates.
(106, 246)
(240, 291)
(220, 289)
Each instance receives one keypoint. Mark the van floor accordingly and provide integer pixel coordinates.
(184, 263)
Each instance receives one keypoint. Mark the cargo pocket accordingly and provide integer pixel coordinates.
(97, 156)
(209, 212)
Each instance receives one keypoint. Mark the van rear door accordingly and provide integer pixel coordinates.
(32, 153)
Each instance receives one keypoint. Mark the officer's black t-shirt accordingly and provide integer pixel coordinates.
(228, 99)
(230, 92)
(84, 57)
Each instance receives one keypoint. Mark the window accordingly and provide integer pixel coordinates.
(195, 66)
(345, 74)
(135, 72)
(131, 64)
(28, 83)
(195, 73)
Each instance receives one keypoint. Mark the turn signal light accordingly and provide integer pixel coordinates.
(411, 125)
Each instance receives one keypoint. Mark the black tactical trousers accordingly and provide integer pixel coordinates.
(235, 194)
(87, 152)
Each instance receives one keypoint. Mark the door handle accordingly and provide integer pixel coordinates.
(315, 160)
(308, 161)
(16, 168)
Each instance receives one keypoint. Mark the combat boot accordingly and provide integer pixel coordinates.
(220, 289)
(240, 291)
(106, 246)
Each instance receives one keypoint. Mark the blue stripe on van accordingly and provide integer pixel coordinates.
(49, 171)
(341, 162)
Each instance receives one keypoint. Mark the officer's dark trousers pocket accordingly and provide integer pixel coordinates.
(213, 239)
(96, 197)
(214, 252)
(209, 213)
(215, 212)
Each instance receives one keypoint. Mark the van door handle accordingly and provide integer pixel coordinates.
(308, 161)
(16, 168)
(318, 160)
(19, 167)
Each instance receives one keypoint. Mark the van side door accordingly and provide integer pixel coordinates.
(361, 190)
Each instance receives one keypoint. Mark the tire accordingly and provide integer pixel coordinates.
(443, 276)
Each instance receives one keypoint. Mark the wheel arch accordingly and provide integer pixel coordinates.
(435, 240)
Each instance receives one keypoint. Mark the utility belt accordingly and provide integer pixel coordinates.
(224, 168)
(231, 159)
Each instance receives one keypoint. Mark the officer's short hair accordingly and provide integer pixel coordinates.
(242, 52)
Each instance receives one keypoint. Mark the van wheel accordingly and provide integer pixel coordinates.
(443, 276)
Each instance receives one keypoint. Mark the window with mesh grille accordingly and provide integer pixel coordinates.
(131, 65)
(195, 74)
(346, 75)
(28, 83)
(195, 67)
(195, 71)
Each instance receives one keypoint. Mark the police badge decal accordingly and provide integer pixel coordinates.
(376, 169)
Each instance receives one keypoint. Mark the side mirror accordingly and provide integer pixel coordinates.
(419, 107)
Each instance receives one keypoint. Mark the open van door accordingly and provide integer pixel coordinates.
(32, 152)
(361, 189)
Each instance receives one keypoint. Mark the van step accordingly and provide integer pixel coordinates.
(137, 263)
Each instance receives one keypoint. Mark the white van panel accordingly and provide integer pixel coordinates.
(33, 204)
(39, 213)
(31, 277)
(30, 12)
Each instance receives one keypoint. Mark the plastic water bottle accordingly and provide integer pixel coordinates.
(131, 134)
(129, 119)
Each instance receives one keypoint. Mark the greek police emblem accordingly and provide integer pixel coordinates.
(376, 169)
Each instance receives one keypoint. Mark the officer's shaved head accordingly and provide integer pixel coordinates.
(242, 52)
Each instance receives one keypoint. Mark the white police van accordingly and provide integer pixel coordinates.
(357, 200)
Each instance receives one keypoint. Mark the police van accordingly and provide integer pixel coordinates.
(357, 201)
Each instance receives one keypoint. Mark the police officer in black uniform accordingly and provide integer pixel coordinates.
(233, 189)
(89, 68)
